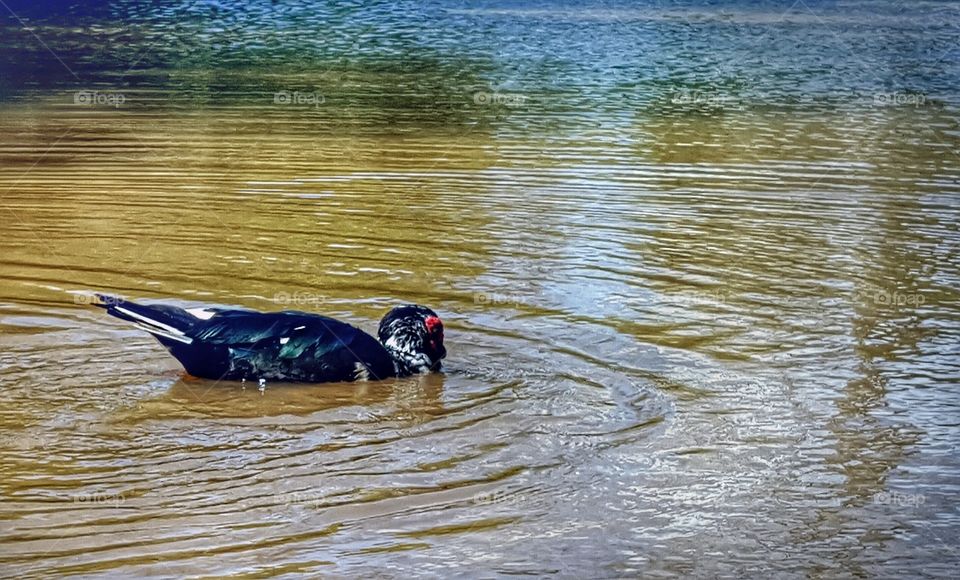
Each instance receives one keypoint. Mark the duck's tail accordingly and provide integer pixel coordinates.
(160, 320)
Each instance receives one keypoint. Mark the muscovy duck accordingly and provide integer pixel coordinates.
(237, 344)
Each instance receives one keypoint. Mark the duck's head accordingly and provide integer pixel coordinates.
(413, 335)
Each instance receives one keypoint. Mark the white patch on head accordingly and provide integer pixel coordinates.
(360, 372)
(420, 363)
(300, 328)
(285, 340)
(201, 313)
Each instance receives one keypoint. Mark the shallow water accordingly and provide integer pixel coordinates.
(698, 269)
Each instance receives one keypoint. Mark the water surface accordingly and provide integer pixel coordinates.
(698, 268)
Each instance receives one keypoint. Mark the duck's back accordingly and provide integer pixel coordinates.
(283, 346)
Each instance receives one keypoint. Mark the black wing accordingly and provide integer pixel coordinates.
(233, 344)
(288, 346)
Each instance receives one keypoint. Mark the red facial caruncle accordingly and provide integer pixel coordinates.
(434, 330)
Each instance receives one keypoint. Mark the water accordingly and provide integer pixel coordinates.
(698, 266)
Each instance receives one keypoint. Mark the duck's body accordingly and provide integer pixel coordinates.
(236, 344)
